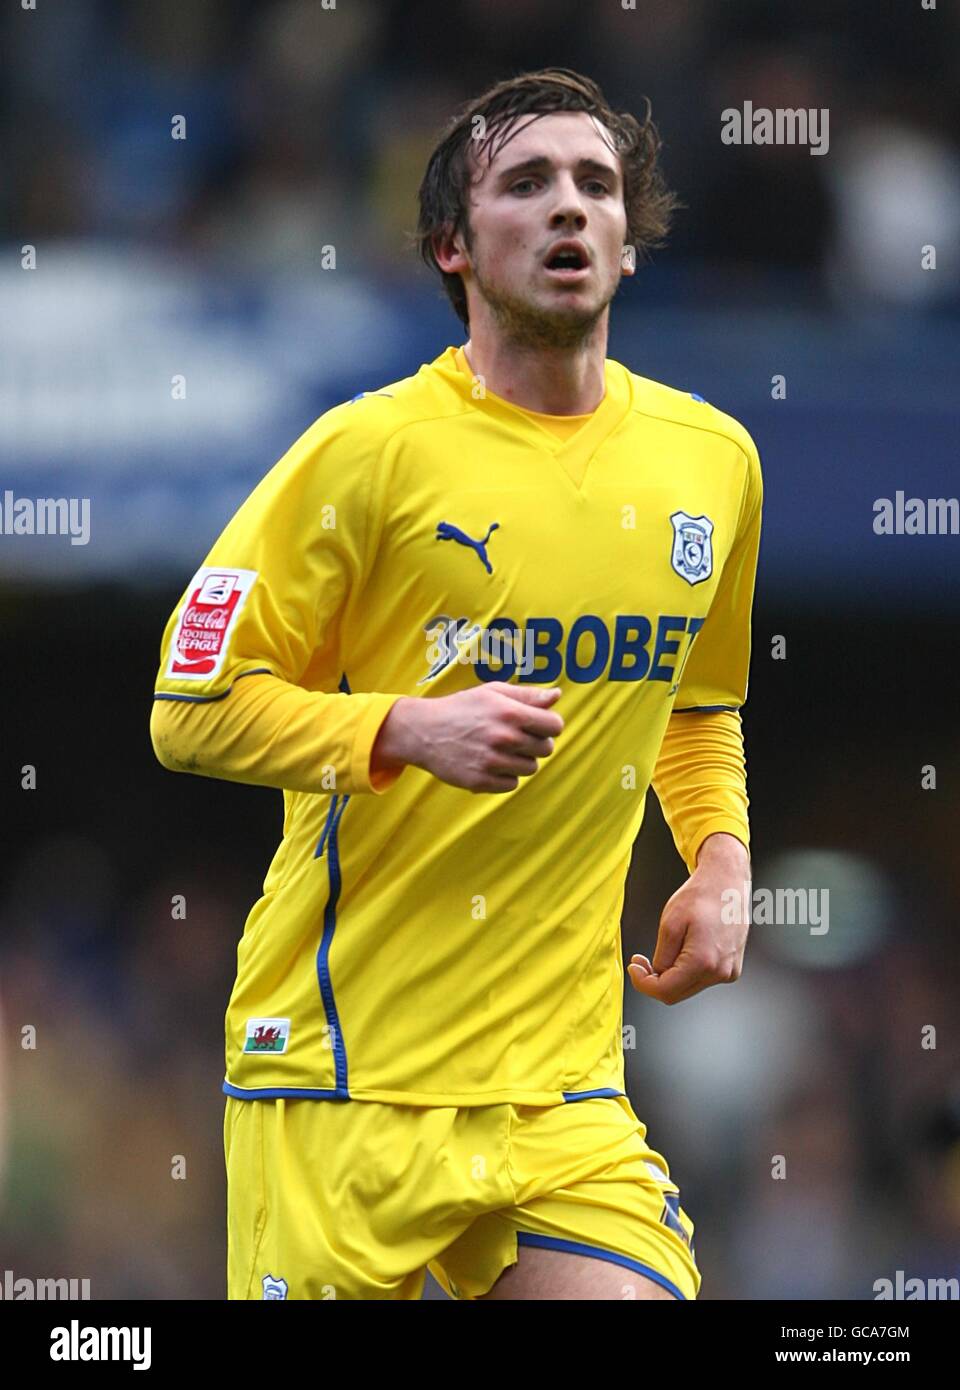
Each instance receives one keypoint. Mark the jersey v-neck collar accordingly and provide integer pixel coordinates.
(572, 454)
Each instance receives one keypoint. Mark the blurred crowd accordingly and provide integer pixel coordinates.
(308, 126)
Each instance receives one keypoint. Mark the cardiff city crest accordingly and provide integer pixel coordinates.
(274, 1288)
(692, 556)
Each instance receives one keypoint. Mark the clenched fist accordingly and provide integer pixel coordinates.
(483, 740)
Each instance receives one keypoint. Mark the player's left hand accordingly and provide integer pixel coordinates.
(697, 943)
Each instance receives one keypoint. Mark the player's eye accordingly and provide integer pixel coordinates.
(519, 183)
(598, 183)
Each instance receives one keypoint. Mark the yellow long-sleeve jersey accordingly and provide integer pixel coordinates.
(414, 942)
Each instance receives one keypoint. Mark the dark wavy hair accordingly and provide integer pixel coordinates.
(443, 194)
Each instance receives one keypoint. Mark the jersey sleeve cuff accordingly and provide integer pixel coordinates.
(378, 707)
(728, 825)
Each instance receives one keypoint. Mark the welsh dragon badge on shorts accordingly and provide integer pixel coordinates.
(692, 556)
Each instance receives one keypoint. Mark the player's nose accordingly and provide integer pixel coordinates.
(569, 207)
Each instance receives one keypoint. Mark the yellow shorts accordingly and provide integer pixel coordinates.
(357, 1199)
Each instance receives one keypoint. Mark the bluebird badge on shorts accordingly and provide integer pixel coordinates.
(274, 1288)
(692, 556)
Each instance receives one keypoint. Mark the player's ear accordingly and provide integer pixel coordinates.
(449, 251)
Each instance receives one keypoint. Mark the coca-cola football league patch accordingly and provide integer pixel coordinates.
(209, 615)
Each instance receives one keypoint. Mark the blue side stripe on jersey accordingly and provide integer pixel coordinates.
(588, 1095)
(323, 955)
(345, 687)
(207, 699)
(705, 709)
(326, 826)
(576, 1247)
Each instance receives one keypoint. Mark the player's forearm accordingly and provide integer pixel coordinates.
(266, 732)
(701, 784)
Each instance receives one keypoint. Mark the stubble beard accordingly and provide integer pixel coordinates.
(524, 324)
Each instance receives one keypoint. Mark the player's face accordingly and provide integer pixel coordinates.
(556, 180)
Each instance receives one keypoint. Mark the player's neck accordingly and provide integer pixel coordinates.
(553, 381)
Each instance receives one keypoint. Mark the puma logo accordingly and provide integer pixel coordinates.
(448, 532)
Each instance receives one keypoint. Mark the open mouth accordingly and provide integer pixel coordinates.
(567, 265)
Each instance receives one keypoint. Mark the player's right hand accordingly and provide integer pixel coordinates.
(483, 740)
